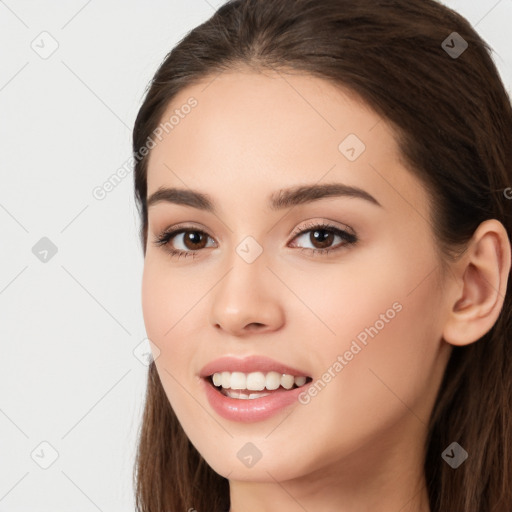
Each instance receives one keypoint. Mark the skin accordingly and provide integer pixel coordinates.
(358, 444)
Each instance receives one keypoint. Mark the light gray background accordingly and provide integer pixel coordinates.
(69, 326)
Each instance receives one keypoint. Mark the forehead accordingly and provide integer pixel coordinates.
(255, 133)
(265, 116)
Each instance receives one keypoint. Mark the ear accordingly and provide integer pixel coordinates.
(480, 284)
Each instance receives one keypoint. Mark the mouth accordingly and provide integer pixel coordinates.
(250, 386)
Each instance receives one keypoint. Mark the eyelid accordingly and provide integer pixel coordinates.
(183, 226)
(314, 223)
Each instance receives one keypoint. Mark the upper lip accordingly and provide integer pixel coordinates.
(249, 364)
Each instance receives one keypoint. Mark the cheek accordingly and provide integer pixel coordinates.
(385, 381)
(162, 311)
(171, 309)
(164, 315)
(154, 304)
(388, 338)
(166, 297)
(385, 326)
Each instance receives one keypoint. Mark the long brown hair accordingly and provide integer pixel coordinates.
(453, 121)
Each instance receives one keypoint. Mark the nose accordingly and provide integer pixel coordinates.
(247, 299)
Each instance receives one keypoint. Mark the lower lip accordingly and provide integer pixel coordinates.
(253, 409)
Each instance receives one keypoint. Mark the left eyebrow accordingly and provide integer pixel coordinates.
(309, 193)
(279, 200)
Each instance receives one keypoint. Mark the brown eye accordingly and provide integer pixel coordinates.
(191, 242)
(322, 236)
(194, 240)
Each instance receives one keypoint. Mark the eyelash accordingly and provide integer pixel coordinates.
(350, 239)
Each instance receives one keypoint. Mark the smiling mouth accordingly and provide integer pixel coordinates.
(251, 386)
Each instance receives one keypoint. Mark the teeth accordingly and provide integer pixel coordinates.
(226, 379)
(300, 381)
(217, 379)
(273, 380)
(287, 381)
(256, 381)
(240, 394)
(238, 380)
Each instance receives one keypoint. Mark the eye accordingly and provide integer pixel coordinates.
(321, 235)
(192, 242)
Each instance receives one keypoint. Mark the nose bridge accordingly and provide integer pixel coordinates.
(244, 284)
(245, 296)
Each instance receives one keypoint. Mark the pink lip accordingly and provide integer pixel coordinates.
(248, 365)
(256, 409)
(250, 410)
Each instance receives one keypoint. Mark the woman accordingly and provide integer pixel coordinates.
(325, 218)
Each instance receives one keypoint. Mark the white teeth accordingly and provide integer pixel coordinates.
(273, 380)
(217, 379)
(240, 394)
(238, 380)
(226, 379)
(256, 381)
(287, 381)
(300, 381)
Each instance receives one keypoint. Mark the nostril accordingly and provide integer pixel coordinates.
(255, 326)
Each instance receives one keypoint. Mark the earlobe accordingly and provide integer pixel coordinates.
(480, 285)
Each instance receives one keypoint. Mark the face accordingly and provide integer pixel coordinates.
(343, 288)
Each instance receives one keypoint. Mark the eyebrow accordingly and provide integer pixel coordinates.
(279, 200)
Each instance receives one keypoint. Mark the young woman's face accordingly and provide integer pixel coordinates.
(360, 314)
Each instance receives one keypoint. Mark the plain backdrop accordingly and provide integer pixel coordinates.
(72, 367)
